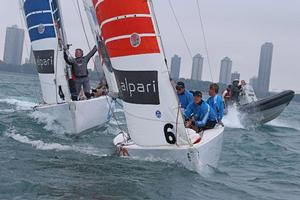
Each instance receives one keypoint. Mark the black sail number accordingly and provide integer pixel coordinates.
(169, 135)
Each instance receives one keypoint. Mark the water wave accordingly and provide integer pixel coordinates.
(49, 122)
(7, 110)
(41, 145)
(19, 104)
(285, 124)
(233, 118)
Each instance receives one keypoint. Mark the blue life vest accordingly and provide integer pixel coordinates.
(202, 113)
(216, 103)
(185, 99)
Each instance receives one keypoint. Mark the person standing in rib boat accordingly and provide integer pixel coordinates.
(199, 116)
(79, 69)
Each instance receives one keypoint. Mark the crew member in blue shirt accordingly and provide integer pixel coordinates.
(185, 97)
(198, 115)
(215, 101)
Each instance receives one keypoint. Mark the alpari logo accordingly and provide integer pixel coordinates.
(138, 87)
(44, 61)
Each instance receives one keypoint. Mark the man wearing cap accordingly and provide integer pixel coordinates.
(198, 114)
(215, 101)
(185, 97)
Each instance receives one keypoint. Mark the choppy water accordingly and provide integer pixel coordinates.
(38, 161)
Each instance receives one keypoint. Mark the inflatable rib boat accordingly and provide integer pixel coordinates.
(264, 110)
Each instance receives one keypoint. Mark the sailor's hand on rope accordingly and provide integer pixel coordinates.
(188, 123)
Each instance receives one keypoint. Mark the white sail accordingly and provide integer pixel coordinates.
(93, 21)
(44, 23)
(131, 37)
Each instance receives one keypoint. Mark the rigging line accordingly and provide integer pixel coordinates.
(77, 7)
(113, 114)
(55, 81)
(204, 39)
(181, 31)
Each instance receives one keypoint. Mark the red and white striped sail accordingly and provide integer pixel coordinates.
(132, 41)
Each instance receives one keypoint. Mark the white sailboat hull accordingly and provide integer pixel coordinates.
(78, 116)
(200, 155)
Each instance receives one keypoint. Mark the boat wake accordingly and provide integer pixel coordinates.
(19, 104)
(41, 145)
(233, 118)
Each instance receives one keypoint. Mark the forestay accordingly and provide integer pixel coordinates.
(107, 68)
(44, 25)
(131, 37)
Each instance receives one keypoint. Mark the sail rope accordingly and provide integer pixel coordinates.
(204, 39)
(180, 29)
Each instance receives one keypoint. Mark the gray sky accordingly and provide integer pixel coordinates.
(234, 28)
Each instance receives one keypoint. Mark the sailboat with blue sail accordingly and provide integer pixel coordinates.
(48, 39)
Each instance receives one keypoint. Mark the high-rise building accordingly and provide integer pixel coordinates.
(31, 57)
(197, 67)
(265, 64)
(13, 49)
(225, 71)
(235, 76)
(253, 83)
(175, 67)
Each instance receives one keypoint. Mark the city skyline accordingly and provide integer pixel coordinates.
(175, 67)
(233, 28)
(265, 67)
(13, 46)
(225, 70)
(197, 67)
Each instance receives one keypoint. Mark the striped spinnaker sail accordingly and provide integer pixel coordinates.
(131, 37)
(44, 23)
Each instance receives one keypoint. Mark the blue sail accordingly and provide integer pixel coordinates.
(39, 19)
